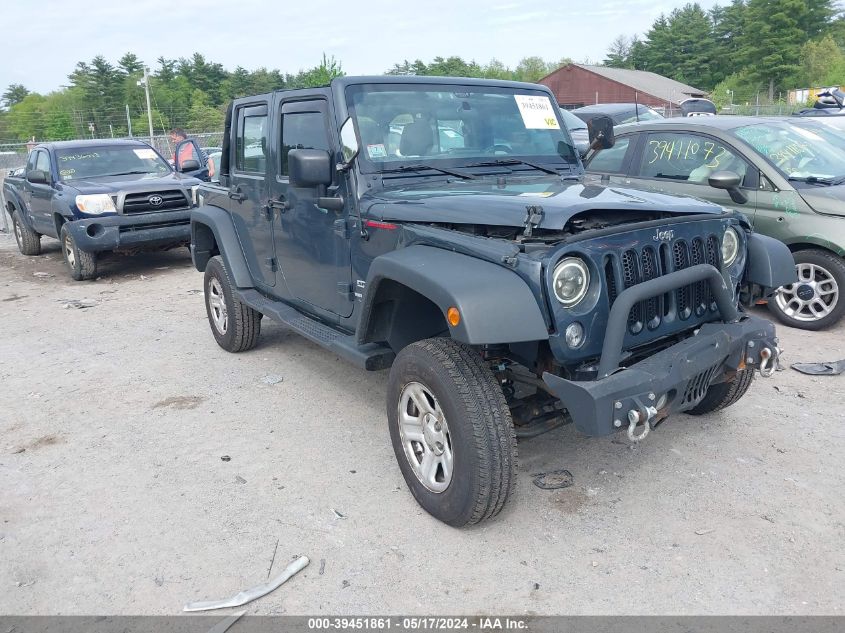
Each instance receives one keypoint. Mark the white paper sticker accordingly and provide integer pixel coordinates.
(537, 112)
(377, 151)
(145, 153)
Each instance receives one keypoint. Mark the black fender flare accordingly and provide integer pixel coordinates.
(495, 304)
(770, 262)
(14, 200)
(219, 222)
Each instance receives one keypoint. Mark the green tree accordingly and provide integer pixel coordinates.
(14, 94)
(619, 53)
(822, 63)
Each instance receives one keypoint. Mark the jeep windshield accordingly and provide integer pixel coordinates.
(802, 153)
(110, 160)
(439, 127)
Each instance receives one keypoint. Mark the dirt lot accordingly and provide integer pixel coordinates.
(115, 499)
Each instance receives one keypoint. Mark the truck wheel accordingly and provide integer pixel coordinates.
(29, 242)
(815, 301)
(235, 325)
(82, 264)
(451, 431)
(724, 394)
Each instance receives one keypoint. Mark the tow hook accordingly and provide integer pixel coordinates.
(768, 362)
(635, 418)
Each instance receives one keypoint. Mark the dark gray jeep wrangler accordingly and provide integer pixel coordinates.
(442, 228)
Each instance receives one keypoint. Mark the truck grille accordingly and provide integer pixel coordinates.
(636, 265)
(143, 202)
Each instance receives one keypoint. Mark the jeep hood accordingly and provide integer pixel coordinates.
(130, 183)
(828, 200)
(486, 202)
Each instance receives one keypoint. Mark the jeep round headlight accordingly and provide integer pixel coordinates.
(95, 204)
(730, 246)
(570, 281)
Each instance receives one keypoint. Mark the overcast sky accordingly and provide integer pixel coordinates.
(42, 41)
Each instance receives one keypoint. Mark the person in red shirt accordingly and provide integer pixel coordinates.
(186, 151)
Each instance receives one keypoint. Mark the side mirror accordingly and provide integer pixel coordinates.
(730, 182)
(348, 141)
(309, 168)
(189, 165)
(600, 129)
(37, 177)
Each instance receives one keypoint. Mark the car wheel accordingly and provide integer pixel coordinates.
(236, 326)
(29, 242)
(815, 301)
(82, 264)
(451, 431)
(724, 394)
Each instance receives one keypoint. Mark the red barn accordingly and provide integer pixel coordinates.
(578, 85)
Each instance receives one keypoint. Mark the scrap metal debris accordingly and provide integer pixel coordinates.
(272, 379)
(251, 594)
(706, 531)
(79, 304)
(223, 625)
(338, 514)
(42, 275)
(553, 480)
(225, 458)
(820, 369)
(240, 479)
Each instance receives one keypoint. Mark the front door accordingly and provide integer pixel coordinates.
(248, 176)
(311, 243)
(41, 197)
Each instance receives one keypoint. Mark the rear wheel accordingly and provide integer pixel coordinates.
(29, 242)
(815, 301)
(724, 394)
(451, 431)
(82, 264)
(236, 326)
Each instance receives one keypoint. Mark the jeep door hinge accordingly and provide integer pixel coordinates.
(345, 290)
(272, 264)
(341, 228)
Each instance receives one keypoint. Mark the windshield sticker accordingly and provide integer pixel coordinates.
(67, 173)
(376, 151)
(537, 112)
(145, 153)
(708, 151)
(71, 157)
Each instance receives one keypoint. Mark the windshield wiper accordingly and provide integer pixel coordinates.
(504, 162)
(121, 173)
(422, 166)
(818, 180)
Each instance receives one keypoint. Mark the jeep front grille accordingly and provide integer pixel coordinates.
(171, 200)
(636, 265)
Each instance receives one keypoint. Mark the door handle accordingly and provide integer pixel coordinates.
(237, 194)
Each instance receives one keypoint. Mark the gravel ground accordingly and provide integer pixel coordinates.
(116, 497)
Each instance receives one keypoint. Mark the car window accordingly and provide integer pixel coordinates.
(572, 122)
(610, 161)
(43, 162)
(302, 130)
(251, 151)
(687, 157)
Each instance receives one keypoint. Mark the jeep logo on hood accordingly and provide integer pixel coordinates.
(155, 201)
(663, 236)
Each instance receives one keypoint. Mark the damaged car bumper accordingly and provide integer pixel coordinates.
(672, 380)
(113, 232)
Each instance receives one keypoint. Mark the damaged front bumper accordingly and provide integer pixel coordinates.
(112, 232)
(672, 380)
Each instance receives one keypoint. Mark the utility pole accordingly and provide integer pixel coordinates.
(128, 121)
(146, 83)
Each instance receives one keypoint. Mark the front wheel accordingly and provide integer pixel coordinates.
(815, 301)
(724, 394)
(82, 264)
(451, 431)
(236, 326)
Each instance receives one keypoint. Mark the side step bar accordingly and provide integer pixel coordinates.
(371, 356)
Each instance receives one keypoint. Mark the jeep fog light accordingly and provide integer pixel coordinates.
(570, 281)
(730, 246)
(574, 335)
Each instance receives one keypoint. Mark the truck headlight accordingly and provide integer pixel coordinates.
(95, 204)
(730, 246)
(570, 281)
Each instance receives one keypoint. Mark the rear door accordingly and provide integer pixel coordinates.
(248, 190)
(311, 243)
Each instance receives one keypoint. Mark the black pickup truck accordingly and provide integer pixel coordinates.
(99, 195)
(443, 228)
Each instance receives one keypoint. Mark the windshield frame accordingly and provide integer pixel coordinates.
(61, 155)
(368, 166)
(794, 178)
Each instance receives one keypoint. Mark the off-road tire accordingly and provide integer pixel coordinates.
(724, 394)
(480, 429)
(82, 264)
(29, 242)
(243, 324)
(835, 267)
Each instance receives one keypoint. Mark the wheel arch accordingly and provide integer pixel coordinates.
(213, 233)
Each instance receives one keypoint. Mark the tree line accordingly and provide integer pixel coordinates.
(190, 93)
(743, 49)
